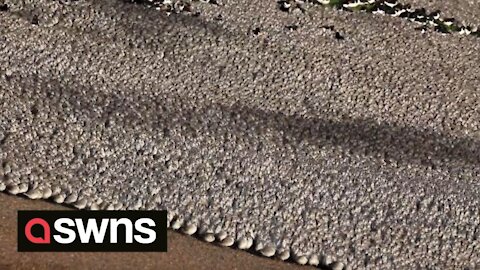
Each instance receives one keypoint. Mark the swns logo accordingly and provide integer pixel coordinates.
(92, 231)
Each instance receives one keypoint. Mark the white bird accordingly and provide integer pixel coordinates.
(399, 13)
(391, 4)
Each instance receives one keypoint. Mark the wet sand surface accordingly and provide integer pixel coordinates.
(184, 252)
(329, 137)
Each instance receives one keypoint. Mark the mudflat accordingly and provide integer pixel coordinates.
(184, 252)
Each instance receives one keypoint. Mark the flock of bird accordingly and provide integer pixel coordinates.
(392, 8)
(385, 7)
(172, 6)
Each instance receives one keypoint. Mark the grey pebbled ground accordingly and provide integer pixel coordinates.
(363, 151)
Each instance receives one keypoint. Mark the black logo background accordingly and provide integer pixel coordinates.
(160, 218)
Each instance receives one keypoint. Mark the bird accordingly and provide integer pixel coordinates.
(421, 19)
(422, 29)
(435, 15)
(449, 21)
(324, 2)
(409, 8)
(432, 22)
(420, 12)
(353, 5)
(284, 5)
(465, 30)
(378, 11)
(391, 3)
(339, 36)
(389, 10)
(398, 13)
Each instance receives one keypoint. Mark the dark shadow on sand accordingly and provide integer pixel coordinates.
(161, 113)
